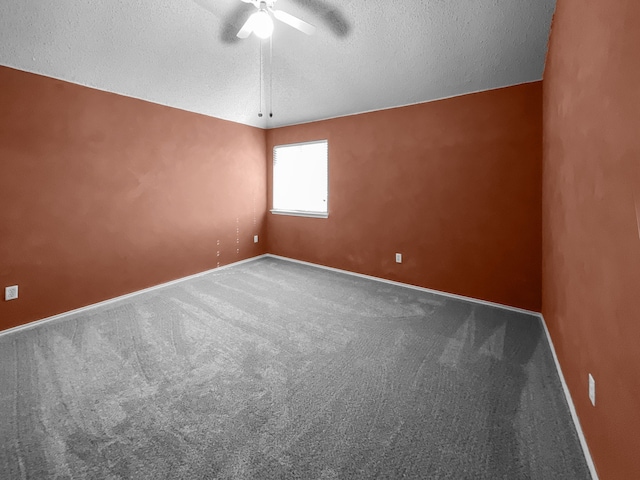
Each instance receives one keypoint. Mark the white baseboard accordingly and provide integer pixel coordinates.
(173, 282)
(572, 407)
(86, 308)
(413, 287)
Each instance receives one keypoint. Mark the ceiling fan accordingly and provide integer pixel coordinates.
(328, 14)
(261, 23)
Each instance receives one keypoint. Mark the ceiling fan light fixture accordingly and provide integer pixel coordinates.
(262, 24)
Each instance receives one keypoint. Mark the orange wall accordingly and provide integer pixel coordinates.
(453, 185)
(101, 195)
(591, 231)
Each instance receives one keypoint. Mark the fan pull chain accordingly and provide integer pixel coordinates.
(271, 76)
(260, 82)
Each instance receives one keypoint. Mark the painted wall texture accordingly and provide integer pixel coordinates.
(591, 216)
(103, 195)
(453, 185)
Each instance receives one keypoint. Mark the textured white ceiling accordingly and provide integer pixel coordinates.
(176, 52)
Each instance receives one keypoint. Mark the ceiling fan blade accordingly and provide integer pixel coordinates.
(246, 29)
(294, 22)
(210, 6)
(330, 15)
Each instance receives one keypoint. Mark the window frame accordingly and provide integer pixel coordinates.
(299, 213)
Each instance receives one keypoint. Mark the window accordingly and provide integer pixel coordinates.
(300, 178)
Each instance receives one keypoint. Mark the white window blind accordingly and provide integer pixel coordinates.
(300, 178)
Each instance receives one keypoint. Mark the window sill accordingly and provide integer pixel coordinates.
(300, 213)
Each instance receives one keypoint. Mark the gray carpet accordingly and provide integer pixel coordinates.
(275, 370)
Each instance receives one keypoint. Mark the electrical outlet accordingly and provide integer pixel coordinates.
(11, 293)
(398, 258)
(592, 390)
(255, 239)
